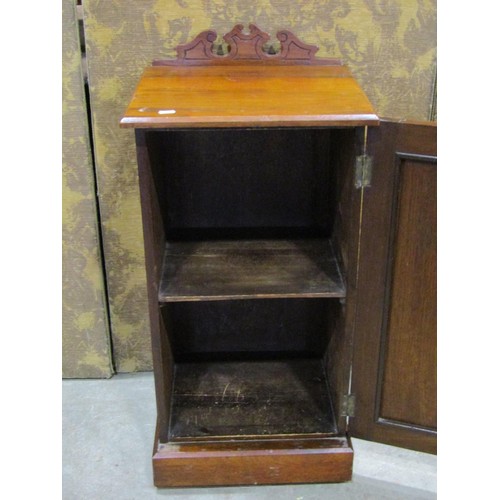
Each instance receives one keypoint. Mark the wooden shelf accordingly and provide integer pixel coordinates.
(251, 398)
(245, 269)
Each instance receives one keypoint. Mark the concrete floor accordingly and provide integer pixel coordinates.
(108, 428)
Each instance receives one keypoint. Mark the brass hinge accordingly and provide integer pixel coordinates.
(363, 171)
(348, 405)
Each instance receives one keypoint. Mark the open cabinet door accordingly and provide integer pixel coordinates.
(394, 356)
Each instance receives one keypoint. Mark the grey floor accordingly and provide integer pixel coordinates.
(108, 428)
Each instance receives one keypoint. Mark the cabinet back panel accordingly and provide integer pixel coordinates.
(248, 329)
(276, 182)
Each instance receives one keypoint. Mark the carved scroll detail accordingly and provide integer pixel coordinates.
(248, 47)
(199, 49)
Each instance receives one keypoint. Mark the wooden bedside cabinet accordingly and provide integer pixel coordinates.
(290, 240)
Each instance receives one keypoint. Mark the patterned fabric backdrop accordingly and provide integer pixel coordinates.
(85, 337)
(390, 45)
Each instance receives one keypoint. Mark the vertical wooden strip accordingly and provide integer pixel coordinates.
(433, 106)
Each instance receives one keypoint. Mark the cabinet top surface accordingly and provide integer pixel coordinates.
(248, 96)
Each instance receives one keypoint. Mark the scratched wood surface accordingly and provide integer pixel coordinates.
(221, 270)
(263, 461)
(245, 96)
(253, 398)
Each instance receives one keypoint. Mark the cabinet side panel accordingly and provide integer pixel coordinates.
(154, 245)
(345, 144)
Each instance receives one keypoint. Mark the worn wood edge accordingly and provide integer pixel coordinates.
(163, 298)
(426, 123)
(252, 441)
(251, 121)
(246, 69)
(191, 450)
(256, 438)
(186, 467)
(406, 436)
(157, 63)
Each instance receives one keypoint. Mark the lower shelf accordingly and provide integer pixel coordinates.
(241, 399)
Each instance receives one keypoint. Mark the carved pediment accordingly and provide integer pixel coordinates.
(249, 47)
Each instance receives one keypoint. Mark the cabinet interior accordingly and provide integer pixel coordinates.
(253, 286)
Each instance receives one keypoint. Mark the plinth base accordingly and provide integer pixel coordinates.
(253, 462)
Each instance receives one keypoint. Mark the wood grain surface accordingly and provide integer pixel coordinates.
(154, 244)
(246, 96)
(250, 398)
(221, 270)
(409, 389)
(253, 462)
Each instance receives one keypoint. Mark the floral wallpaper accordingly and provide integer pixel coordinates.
(85, 336)
(390, 45)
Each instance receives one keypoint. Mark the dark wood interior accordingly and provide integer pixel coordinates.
(277, 183)
(249, 329)
(258, 283)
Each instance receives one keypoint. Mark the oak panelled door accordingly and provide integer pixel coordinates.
(394, 355)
